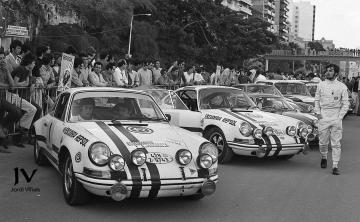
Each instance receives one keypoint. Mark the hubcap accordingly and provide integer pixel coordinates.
(68, 175)
(218, 141)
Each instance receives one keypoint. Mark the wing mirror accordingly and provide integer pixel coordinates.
(168, 117)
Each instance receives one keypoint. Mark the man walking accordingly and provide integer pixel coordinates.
(331, 105)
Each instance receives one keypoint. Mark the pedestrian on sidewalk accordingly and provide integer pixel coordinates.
(331, 105)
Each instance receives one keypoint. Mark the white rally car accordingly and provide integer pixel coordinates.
(231, 121)
(118, 143)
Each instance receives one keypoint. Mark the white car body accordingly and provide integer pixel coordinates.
(161, 175)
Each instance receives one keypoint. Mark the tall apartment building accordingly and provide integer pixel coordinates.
(241, 6)
(265, 9)
(302, 20)
(281, 19)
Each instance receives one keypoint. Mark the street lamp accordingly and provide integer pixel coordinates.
(131, 25)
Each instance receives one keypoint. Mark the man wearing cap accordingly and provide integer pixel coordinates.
(331, 105)
(86, 106)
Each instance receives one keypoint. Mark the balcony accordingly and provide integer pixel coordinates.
(270, 5)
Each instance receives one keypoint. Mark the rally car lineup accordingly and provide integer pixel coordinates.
(118, 143)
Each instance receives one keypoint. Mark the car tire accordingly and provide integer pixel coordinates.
(285, 157)
(39, 156)
(216, 136)
(74, 192)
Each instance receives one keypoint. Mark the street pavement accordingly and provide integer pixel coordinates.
(249, 190)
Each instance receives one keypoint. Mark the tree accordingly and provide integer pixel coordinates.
(316, 46)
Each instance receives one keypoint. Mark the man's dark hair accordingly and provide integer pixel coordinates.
(40, 50)
(121, 63)
(77, 62)
(15, 43)
(97, 63)
(82, 54)
(103, 55)
(26, 47)
(27, 59)
(47, 59)
(110, 65)
(336, 68)
(71, 50)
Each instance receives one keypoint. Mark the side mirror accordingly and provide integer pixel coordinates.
(168, 116)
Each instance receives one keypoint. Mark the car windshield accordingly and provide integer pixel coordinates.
(110, 105)
(216, 98)
(265, 89)
(272, 103)
(312, 89)
(167, 99)
(287, 88)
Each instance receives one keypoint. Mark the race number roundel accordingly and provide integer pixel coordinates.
(139, 129)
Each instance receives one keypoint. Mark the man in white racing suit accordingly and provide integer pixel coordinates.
(331, 105)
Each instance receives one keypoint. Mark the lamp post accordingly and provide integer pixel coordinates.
(131, 26)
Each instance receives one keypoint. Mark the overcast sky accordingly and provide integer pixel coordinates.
(338, 20)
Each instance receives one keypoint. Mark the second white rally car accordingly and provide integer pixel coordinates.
(118, 143)
(231, 120)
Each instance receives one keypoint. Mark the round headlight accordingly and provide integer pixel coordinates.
(138, 157)
(116, 163)
(258, 133)
(291, 130)
(99, 154)
(210, 149)
(205, 161)
(303, 132)
(310, 129)
(183, 157)
(245, 129)
(268, 131)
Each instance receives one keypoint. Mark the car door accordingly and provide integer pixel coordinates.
(56, 124)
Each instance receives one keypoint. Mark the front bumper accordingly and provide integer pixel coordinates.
(168, 187)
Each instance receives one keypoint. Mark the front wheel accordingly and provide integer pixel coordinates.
(216, 136)
(74, 192)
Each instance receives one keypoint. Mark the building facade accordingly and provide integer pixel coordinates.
(302, 20)
(265, 9)
(281, 19)
(241, 6)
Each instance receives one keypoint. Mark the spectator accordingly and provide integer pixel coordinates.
(215, 77)
(204, 74)
(120, 74)
(145, 75)
(40, 52)
(46, 72)
(156, 71)
(225, 78)
(355, 94)
(195, 78)
(243, 78)
(133, 76)
(258, 76)
(56, 66)
(96, 78)
(12, 59)
(71, 51)
(85, 70)
(76, 76)
(182, 72)
(104, 57)
(91, 56)
(108, 74)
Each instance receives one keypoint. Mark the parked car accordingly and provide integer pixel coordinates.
(118, 143)
(278, 105)
(232, 122)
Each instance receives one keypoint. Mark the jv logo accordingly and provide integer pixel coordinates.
(25, 174)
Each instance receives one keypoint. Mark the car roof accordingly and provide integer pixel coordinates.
(281, 81)
(199, 87)
(263, 95)
(102, 89)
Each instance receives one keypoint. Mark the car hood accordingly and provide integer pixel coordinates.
(301, 98)
(306, 118)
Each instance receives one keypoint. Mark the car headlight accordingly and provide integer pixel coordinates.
(291, 130)
(268, 131)
(303, 132)
(245, 129)
(310, 129)
(210, 149)
(205, 161)
(258, 133)
(138, 157)
(116, 163)
(99, 154)
(183, 157)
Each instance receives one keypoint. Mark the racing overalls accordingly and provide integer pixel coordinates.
(332, 102)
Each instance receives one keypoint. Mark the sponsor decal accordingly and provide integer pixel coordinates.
(139, 129)
(158, 158)
(229, 121)
(69, 132)
(82, 140)
(208, 116)
(147, 144)
(78, 157)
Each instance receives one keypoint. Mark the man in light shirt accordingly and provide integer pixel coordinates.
(120, 74)
(96, 78)
(145, 75)
(12, 60)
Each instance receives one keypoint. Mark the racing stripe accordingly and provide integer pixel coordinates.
(238, 117)
(278, 144)
(241, 114)
(134, 171)
(154, 171)
(268, 145)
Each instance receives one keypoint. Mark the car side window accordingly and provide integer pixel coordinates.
(60, 108)
(189, 97)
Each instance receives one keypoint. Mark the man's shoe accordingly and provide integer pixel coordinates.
(323, 163)
(335, 171)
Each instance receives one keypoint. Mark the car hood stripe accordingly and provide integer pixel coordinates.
(238, 117)
(154, 171)
(134, 171)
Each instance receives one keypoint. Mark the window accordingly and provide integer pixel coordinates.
(60, 107)
(189, 97)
